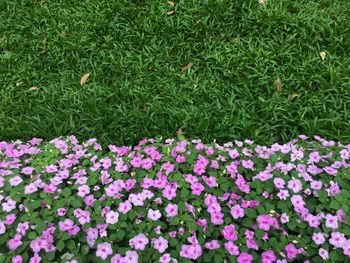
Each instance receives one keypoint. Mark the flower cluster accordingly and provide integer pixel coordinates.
(174, 201)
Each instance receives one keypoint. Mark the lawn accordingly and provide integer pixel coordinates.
(210, 68)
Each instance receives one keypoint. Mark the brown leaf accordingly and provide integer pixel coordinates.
(293, 96)
(179, 132)
(278, 85)
(84, 78)
(262, 2)
(33, 88)
(171, 3)
(187, 67)
(145, 108)
(322, 55)
(169, 13)
(64, 34)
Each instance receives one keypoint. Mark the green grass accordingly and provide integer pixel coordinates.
(134, 52)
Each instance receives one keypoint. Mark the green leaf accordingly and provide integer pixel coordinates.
(60, 245)
(70, 244)
(66, 192)
(174, 221)
(32, 235)
(251, 213)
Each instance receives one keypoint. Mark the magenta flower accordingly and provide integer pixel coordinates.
(232, 248)
(212, 245)
(245, 257)
(165, 258)
(124, 207)
(15, 242)
(17, 259)
(268, 256)
(229, 232)
(237, 212)
(191, 251)
(171, 210)
(35, 259)
(104, 250)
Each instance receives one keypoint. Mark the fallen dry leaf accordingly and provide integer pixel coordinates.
(278, 85)
(19, 83)
(145, 108)
(64, 34)
(171, 3)
(262, 2)
(293, 96)
(169, 13)
(84, 78)
(179, 132)
(187, 67)
(322, 55)
(33, 88)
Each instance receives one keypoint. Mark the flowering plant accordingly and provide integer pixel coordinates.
(174, 201)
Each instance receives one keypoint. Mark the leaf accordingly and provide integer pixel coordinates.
(84, 78)
(293, 96)
(33, 88)
(322, 55)
(187, 67)
(179, 132)
(251, 213)
(145, 108)
(64, 34)
(169, 13)
(171, 3)
(262, 2)
(278, 85)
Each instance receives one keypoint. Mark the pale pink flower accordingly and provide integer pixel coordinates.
(160, 244)
(104, 250)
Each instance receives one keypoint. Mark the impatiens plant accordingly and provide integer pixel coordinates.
(174, 201)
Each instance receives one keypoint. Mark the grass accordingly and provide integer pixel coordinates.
(134, 53)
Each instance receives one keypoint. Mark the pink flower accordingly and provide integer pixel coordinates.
(323, 253)
(168, 167)
(318, 238)
(265, 222)
(139, 242)
(284, 218)
(17, 259)
(131, 257)
(61, 211)
(268, 256)
(217, 218)
(292, 251)
(160, 244)
(22, 228)
(27, 170)
(165, 258)
(66, 224)
(279, 182)
(112, 217)
(237, 212)
(15, 242)
(229, 232)
(83, 190)
(171, 210)
(2, 228)
(232, 248)
(212, 245)
(295, 185)
(191, 251)
(124, 207)
(154, 214)
(197, 188)
(331, 221)
(252, 244)
(15, 181)
(337, 239)
(10, 219)
(104, 250)
(244, 257)
(35, 258)
(169, 192)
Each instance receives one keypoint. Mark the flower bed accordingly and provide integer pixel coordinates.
(174, 201)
